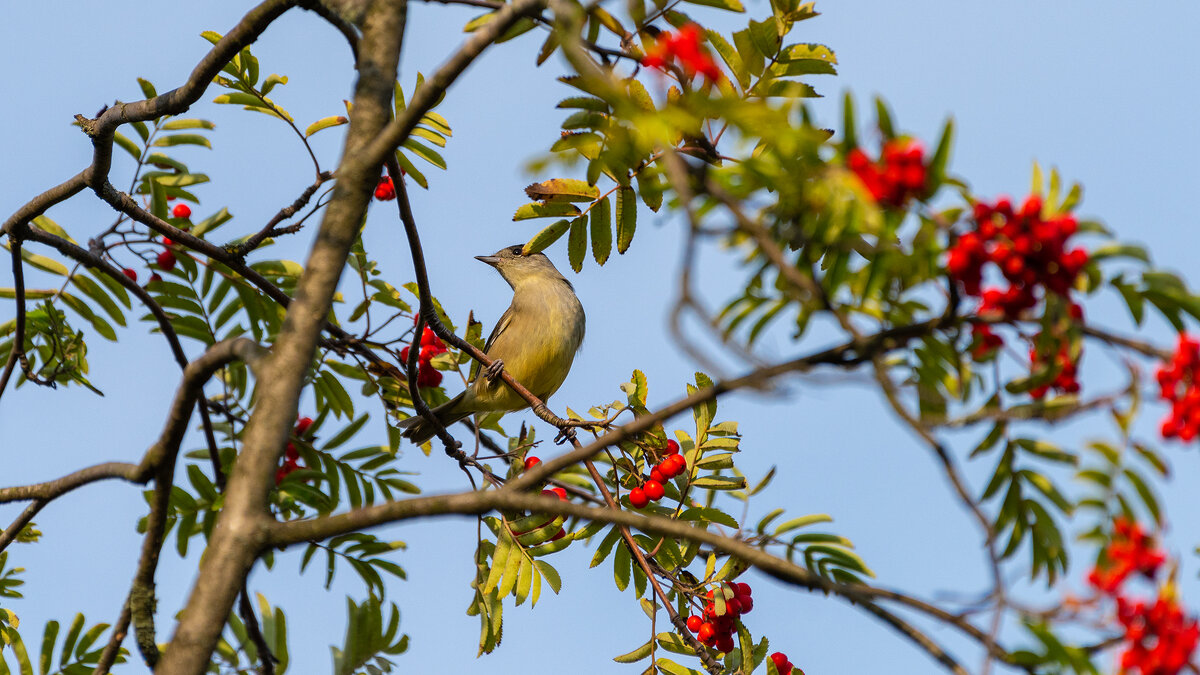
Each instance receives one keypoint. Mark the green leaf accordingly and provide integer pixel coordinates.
(550, 574)
(1120, 251)
(720, 482)
(147, 88)
(635, 655)
(407, 165)
(730, 56)
(183, 123)
(626, 217)
(551, 210)
(577, 243)
(731, 5)
(212, 222)
(96, 293)
(941, 156)
(547, 236)
(601, 230)
(325, 123)
(562, 190)
(41, 262)
(425, 152)
(709, 515)
(803, 521)
(183, 139)
(127, 145)
(182, 179)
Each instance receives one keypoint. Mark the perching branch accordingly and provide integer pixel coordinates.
(479, 502)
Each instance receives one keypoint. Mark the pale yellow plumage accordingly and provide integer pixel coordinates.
(536, 338)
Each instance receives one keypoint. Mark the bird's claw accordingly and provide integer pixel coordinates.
(493, 371)
(564, 435)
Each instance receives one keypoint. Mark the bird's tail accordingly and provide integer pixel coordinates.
(418, 429)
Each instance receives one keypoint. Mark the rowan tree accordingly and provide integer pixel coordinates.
(859, 248)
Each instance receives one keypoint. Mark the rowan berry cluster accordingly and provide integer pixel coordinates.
(1178, 384)
(385, 191)
(431, 346)
(530, 462)
(1056, 359)
(1130, 550)
(715, 626)
(652, 490)
(782, 664)
(1160, 638)
(984, 342)
(1030, 250)
(684, 46)
(291, 455)
(898, 175)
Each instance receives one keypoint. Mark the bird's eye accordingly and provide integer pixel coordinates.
(516, 250)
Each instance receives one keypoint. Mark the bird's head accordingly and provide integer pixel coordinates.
(519, 268)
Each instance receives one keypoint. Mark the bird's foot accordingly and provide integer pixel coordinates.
(493, 371)
(565, 434)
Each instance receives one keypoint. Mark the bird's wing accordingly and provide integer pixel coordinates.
(502, 324)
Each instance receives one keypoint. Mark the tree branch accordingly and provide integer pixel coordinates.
(237, 539)
(480, 502)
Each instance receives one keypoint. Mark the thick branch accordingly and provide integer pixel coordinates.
(237, 538)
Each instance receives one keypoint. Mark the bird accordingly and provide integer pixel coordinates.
(535, 341)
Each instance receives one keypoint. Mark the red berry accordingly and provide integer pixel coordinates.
(130, 273)
(681, 464)
(428, 376)
(167, 241)
(694, 622)
(725, 643)
(166, 260)
(707, 634)
(638, 498)
(672, 447)
(291, 452)
(385, 191)
(531, 462)
(302, 425)
(743, 589)
(733, 606)
(155, 277)
(181, 211)
(560, 493)
(656, 474)
(653, 489)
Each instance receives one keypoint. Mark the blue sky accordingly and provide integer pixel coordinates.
(1101, 90)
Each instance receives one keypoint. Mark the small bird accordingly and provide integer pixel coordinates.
(535, 341)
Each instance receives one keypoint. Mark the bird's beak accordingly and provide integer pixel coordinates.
(489, 259)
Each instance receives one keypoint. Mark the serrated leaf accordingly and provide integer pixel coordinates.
(577, 243)
(626, 217)
(601, 230)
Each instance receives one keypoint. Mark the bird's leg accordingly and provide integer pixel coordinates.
(493, 371)
(565, 434)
